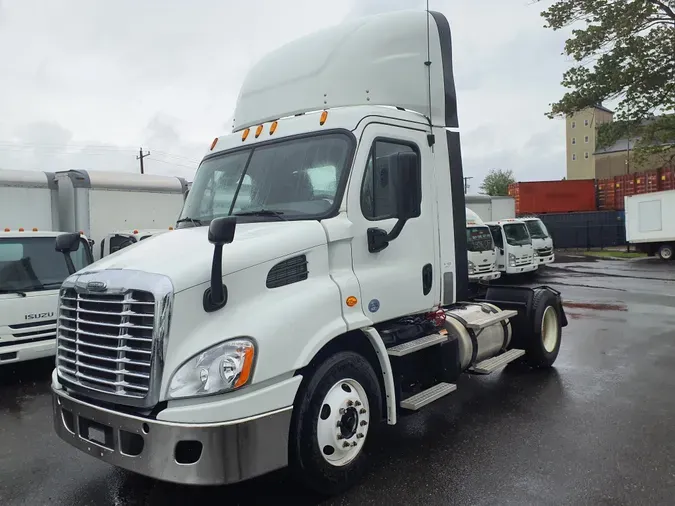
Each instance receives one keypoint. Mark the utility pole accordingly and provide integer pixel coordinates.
(466, 183)
(141, 156)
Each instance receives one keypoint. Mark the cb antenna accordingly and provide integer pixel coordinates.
(427, 64)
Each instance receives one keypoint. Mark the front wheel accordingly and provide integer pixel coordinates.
(335, 410)
(666, 252)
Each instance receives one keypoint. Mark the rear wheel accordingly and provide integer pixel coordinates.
(542, 345)
(335, 410)
(666, 252)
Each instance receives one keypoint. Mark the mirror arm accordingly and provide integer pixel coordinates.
(215, 297)
(379, 239)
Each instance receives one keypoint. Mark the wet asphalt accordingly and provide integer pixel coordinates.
(598, 429)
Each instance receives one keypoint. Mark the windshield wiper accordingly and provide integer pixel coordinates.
(18, 292)
(195, 222)
(262, 212)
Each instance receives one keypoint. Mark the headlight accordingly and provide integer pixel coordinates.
(536, 253)
(472, 267)
(219, 369)
(512, 260)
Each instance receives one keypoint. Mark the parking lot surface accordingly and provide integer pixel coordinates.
(597, 429)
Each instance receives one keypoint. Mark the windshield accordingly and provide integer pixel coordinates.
(517, 234)
(537, 229)
(30, 264)
(295, 178)
(479, 239)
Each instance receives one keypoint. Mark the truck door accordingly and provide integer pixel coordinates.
(404, 277)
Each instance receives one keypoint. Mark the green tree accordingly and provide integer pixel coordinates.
(497, 182)
(623, 49)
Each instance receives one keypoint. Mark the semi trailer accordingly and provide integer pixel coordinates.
(281, 325)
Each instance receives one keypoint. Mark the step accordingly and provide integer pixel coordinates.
(491, 319)
(494, 363)
(418, 344)
(428, 396)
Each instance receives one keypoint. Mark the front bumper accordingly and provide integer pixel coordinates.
(546, 260)
(21, 352)
(193, 454)
(522, 268)
(488, 276)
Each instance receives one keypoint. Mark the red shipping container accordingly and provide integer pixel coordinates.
(540, 197)
(605, 193)
(667, 179)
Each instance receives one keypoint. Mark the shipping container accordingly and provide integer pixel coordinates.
(647, 182)
(599, 229)
(535, 197)
(667, 181)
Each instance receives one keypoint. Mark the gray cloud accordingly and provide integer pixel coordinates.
(97, 80)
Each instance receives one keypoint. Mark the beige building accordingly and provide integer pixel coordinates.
(584, 161)
(581, 139)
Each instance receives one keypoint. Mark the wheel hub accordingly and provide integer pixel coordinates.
(343, 422)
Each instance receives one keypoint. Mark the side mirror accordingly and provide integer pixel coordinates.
(405, 173)
(407, 180)
(67, 244)
(221, 232)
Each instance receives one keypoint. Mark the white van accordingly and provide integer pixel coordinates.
(515, 253)
(481, 250)
(541, 240)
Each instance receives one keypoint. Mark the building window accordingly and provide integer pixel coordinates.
(574, 157)
(586, 155)
(378, 195)
(586, 139)
(574, 124)
(574, 140)
(585, 122)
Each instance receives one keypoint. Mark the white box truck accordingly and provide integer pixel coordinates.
(329, 297)
(491, 208)
(542, 242)
(515, 253)
(31, 271)
(650, 223)
(481, 250)
(100, 202)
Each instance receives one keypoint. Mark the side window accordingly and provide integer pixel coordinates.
(497, 235)
(378, 190)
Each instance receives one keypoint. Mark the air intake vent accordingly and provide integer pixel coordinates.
(287, 272)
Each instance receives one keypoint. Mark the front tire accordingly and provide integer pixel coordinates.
(336, 410)
(543, 342)
(666, 252)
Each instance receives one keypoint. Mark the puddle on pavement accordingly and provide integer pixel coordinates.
(597, 306)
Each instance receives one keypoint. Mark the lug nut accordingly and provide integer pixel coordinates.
(350, 403)
(362, 411)
(345, 445)
(342, 411)
(340, 436)
(363, 423)
(357, 404)
(360, 436)
(354, 444)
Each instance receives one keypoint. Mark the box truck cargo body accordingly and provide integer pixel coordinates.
(650, 223)
(491, 208)
(99, 202)
(28, 199)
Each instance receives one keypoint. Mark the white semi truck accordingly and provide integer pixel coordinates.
(650, 223)
(481, 250)
(100, 202)
(281, 329)
(515, 253)
(31, 271)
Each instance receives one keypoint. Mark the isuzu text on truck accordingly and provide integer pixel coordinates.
(327, 297)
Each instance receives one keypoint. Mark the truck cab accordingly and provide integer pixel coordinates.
(31, 273)
(316, 285)
(515, 253)
(541, 240)
(481, 249)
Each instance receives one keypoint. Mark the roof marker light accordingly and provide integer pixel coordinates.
(324, 117)
(35, 229)
(20, 229)
(244, 134)
(135, 231)
(273, 127)
(258, 131)
(213, 144)
(6, 230)
(170, 228)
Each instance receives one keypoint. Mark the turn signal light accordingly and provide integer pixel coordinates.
(213, 144)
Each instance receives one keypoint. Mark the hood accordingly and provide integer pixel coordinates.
(185, 255)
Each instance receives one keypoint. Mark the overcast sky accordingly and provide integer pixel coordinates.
(84, 83)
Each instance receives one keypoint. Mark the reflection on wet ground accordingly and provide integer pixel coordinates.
(596, 429)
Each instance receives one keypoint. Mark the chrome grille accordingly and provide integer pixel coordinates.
(545, 252)
(524, 260)
(105, 341)
(481, 269)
